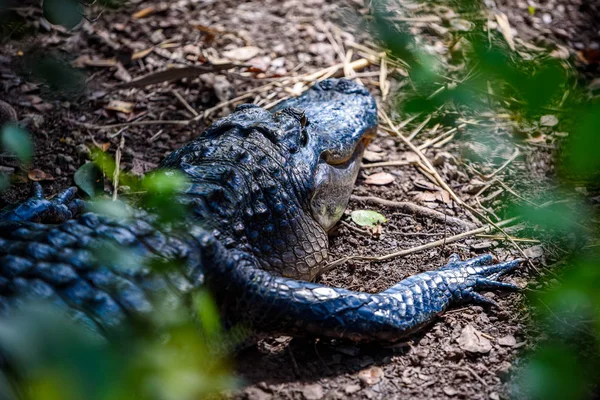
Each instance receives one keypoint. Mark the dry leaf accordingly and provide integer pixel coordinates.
(120, 106)
(86, 61)
(422, 184)
(370, 376)
(473, 341)
(242, 53)
(505, 28)
(372, 156)
(39, 175)
(144, 12)
(507, 341)
(561, 52)
(141, 54)
(103, 146)
(174, 74)
(380, 178)
(410, 157)
(548, 120)
(441, 196)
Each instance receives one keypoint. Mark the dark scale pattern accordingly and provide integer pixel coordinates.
(264, 187)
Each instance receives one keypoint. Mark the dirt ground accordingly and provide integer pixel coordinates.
(291, 38)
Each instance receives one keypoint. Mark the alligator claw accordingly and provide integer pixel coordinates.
(38, 209)
(465, 278)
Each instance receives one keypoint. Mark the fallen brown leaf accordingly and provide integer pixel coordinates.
(380, 178)
(144, 12)
(173, 74)
(141, 54)
(86, 61)
(39, 175)
(120, 106)
(371, 376)
(103, 146)
(242, 53)
(473, 341)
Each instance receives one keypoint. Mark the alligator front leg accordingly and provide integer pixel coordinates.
(37, 209)
(273, 304)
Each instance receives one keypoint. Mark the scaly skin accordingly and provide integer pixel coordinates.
(264, 189)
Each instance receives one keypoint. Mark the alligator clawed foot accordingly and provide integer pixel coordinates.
(38, 209)
(468, 277)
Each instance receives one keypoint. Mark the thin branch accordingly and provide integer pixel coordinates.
(185, 103)
(414, 209)
(437, 243)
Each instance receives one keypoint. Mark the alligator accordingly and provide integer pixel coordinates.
(264, 188)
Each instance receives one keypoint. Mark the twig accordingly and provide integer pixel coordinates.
(499, 237)
(503, 166)
(414, 209)
(185, 103)
(222, 104)
(445, 186)
(424, 159)
(480, 379)
(441, 137)
(419, 128)
(133, 123)
(437, 243)
(355, 229)
(387, 164)
(117, 171)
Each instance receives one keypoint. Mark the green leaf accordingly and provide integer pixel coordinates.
(208, 314)
(367, 218)
(17, 141)
(67, 13)
(89, 178)
(164, 182)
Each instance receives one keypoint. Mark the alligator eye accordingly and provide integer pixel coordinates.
(303, 137)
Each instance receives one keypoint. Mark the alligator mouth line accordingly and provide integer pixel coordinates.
(359, 148)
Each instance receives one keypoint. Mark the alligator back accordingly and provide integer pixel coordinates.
(96, 268)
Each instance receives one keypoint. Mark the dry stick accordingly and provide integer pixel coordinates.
(355, 229)
(117, 171)
(480, 379)
(334, 70)
(503, 166)
(222, 104)
(437, 243)
(185, 103)
(419, 128)
(445, 186)
(511, 191)
(336, 46)
(440, 137)
(387, 164)
(443, 141)
(415, 210)
(383, 82)
(424, 159)
(181, 122)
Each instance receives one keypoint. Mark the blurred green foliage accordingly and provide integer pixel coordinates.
(495, 79)
(17, 24)
(53, 358)
(178, 352)
(67, 13)
(16, 141)
(54, 72)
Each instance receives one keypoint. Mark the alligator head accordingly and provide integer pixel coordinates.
(281, 179)
(339, 119)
